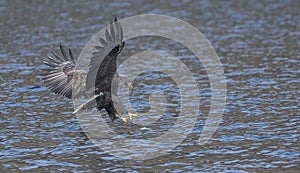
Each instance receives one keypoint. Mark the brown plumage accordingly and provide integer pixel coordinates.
(65, 78)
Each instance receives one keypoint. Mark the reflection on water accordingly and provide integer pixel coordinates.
(258, 43)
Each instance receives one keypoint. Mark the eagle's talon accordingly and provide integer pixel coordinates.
(132, 115)
(125, 120)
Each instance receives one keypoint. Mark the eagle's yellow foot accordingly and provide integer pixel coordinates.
(132, 115)
(125, 120)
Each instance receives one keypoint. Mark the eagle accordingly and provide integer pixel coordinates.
(64, 76)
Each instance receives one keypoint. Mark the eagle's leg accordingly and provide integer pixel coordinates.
(125, 120)
(117, 115)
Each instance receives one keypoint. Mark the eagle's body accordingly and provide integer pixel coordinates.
(65, 78)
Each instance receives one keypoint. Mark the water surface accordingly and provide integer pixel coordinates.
(257, 42)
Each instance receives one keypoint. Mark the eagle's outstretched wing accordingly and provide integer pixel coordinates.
(103, 63)
(65, 78)
(62, 74)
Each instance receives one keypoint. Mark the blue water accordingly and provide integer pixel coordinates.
(258, 45)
